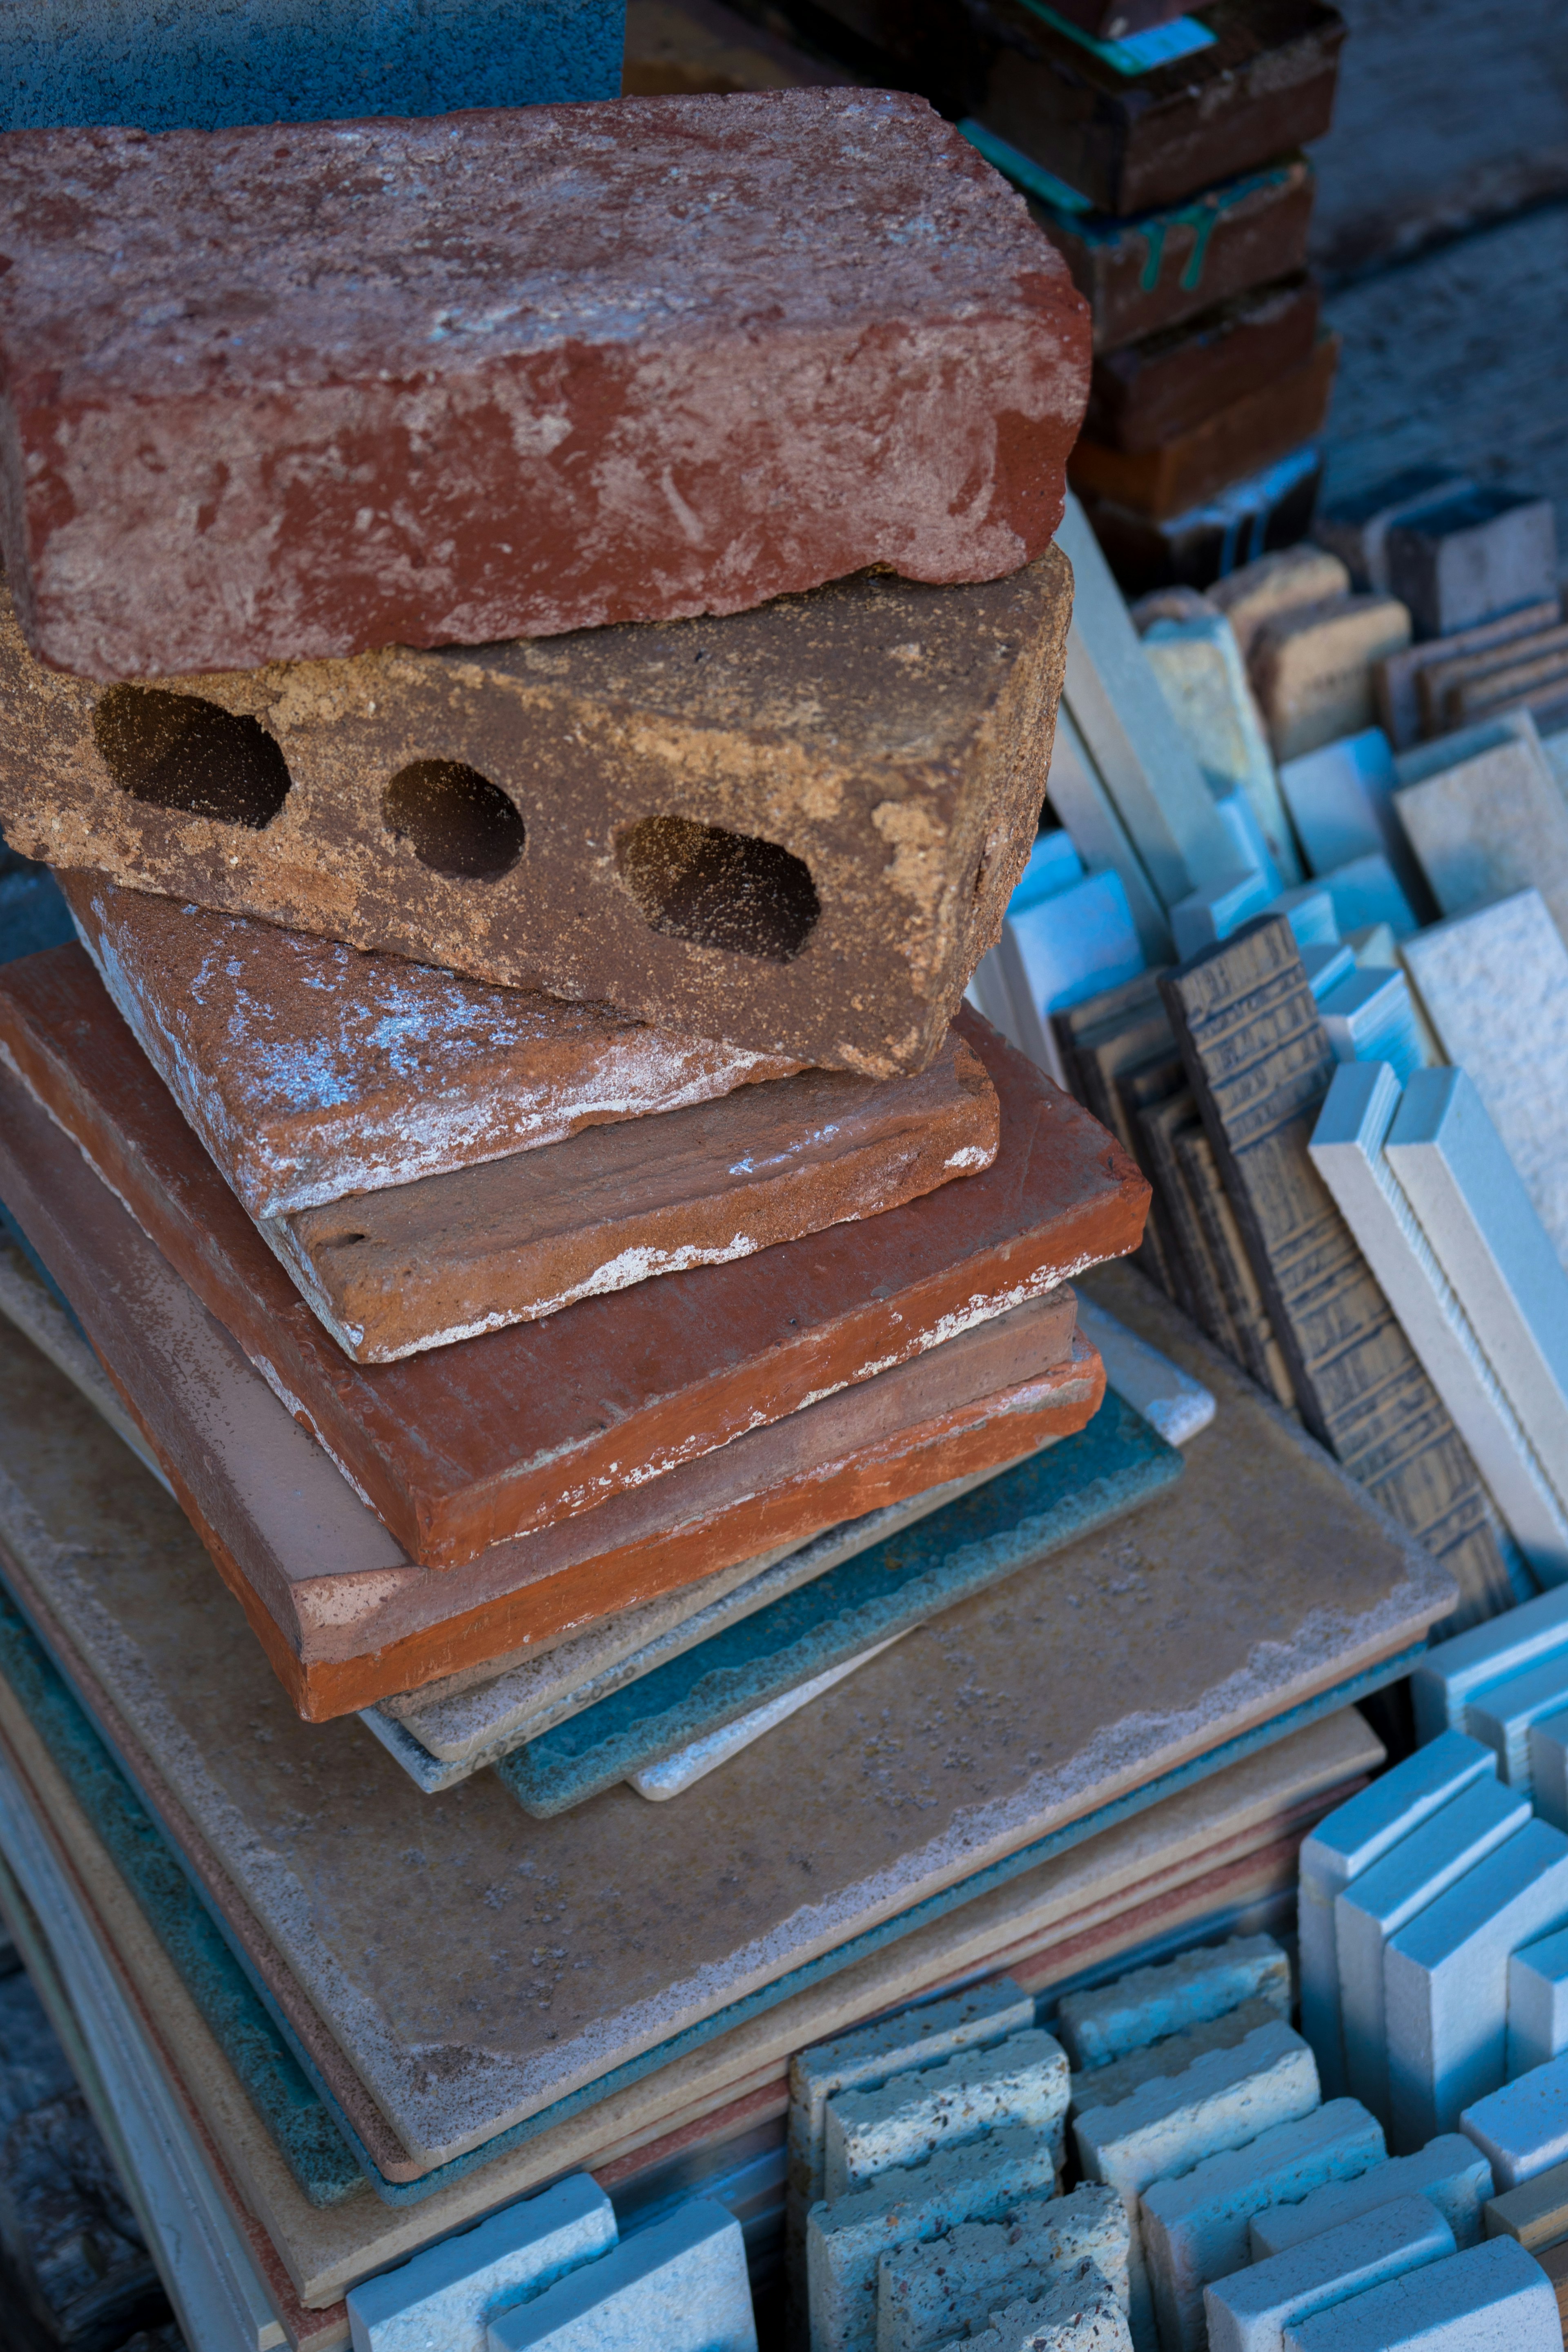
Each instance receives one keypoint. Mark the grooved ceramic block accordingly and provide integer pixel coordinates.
(1289, 580)
(446, 2297)
(311, 1070)
(803, 822)
(1109, 2020)
(1205, 915)
(1251, 2310)
(1103, 2086)
(612, 449)
(845, 2237)
(1348, 1842)
(1489, 825)
(1169, 1399)
(1446, 1980)
(193, 66)
(1504, 1714)
(1325, 967)
(1023, 2080)
(1195, 2227)
(1549, 1768)
(1522, 2129)
(1260, 1066)
(1114, 701)
(1347, 1149)
(1311, 669)
(681, 2285)
(1223, 2100)
(1465, 558)
(1452, 1673)
(1449, 2172)
(1078, 2312)
(926, 2035)
(1491, 2298)
(927, 2294)
(1494, 985)
(1388, 1897)
(1356, 528)
(1201, 675)
(1496, 1245)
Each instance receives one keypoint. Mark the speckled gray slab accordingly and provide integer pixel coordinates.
(473, 1967)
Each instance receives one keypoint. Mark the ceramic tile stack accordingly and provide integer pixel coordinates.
(536, 740)
(1162, 154)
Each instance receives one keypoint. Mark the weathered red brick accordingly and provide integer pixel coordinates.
(303, 390)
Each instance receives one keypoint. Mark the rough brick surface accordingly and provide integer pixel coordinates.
(795, 829)
(311, 1070)
(451, 1256)
(271, 393)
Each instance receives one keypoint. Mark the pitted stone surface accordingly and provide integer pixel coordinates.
(928, 2294)
(795, 829)
(499, 375)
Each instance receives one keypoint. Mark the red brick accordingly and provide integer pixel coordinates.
(467, 1445)
(305, 390)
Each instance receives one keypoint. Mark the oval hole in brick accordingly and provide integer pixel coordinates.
(176, 751)
(454, 820)
(718, 889)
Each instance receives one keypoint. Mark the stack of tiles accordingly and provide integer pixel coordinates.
(1161, 153)
(1478, 569)
(522, 1180)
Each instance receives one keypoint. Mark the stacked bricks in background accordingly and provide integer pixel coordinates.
(1161, 153)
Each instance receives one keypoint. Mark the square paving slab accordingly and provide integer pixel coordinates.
(472, 1968)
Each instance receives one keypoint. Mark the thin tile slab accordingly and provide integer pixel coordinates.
(343, 1616)
(469, 1722)
(518, 1428)
(312, 1069)
(324, 2249)
(410, 1267)
(688, 1913)
(1018, 1517)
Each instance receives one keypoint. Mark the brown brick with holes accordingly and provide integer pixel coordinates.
(304, 389)
(795, 829)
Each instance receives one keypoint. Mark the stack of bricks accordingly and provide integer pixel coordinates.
(1161, 153)
(534, 756)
